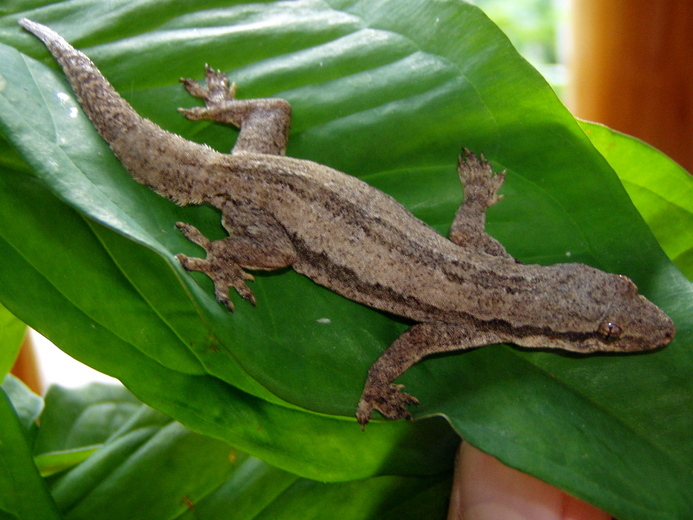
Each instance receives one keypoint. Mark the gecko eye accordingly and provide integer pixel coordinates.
(609, 330)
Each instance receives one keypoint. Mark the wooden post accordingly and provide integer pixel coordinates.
(631, 68)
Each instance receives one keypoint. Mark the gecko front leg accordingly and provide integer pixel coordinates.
(424, 339)
(257, 242)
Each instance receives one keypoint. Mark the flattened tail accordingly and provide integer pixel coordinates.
(110, 113)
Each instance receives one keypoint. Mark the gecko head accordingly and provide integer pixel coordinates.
(621, 319)
(642, 326)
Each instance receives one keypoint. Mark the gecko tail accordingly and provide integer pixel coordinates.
(153, 156)
(110, 113)
(48, 36)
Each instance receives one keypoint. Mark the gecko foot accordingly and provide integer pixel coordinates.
(389, 400)
(217, 95)
(218, 265)
(481, 185)
(217, 90)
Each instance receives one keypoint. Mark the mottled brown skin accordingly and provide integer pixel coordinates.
(463, 293)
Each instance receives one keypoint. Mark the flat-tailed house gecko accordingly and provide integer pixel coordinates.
(343, 234)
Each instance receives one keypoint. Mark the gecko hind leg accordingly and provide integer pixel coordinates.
(264, 123)
(481, 187)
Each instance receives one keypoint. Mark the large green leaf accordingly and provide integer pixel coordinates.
(23, 495)
(660, 189)
(387, 91)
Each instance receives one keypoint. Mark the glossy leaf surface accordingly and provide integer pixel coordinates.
(389, 92)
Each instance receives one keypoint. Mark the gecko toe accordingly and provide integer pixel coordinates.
(194, 88)
(223, 298)
(192, 263)
(244, 291)
(195, 113)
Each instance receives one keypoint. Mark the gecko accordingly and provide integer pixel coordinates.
(461, 292)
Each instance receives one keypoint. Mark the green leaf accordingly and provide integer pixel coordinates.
(400, 498)
(12, 333)
(90, 415)
(145, 460)
(27, 405)
(149, 463)
(23, 494)
(387, 91)
(205, 402)
(56, 461)
(660, 189)
(154, 332)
